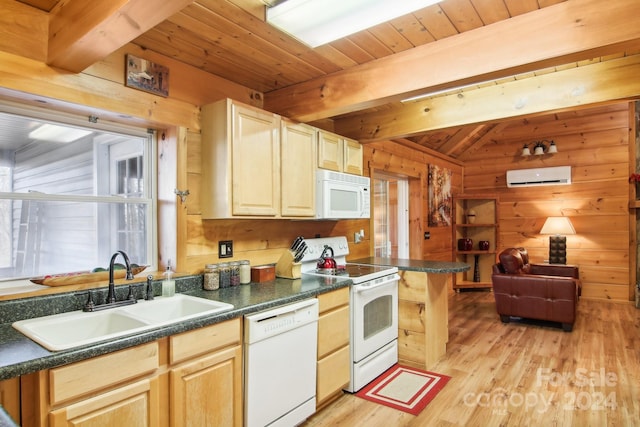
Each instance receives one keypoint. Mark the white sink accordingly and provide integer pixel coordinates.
(166, 310)
(77, 328)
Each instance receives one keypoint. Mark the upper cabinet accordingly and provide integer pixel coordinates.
(252, 161)
(338, 153)
(298, 172)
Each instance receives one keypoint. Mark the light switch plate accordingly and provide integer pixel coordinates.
(225, 248)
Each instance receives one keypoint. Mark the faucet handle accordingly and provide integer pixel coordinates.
(89, 305)
(149, 292)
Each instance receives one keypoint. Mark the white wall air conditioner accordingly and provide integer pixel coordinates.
(560, 175)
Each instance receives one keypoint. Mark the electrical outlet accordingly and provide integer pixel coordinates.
(225, 249)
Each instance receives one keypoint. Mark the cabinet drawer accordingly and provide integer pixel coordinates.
(204, 340)
(333, 299)
(333, 374)
(77, 379)
(333, 331)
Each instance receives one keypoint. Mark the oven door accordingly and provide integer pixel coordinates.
(374, 315)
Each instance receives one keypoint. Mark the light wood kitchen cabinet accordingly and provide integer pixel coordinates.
(298, 144)
(136, 404)
(121, 386)
(193, 378)
(240, 161)
(339, 154)
(207, 388)
(254, 165)
(333, 372)
(10, 397)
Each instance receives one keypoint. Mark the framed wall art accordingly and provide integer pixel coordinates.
(440, 200)
(147, 76)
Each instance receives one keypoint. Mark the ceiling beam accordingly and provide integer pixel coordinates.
(84, 32)
(600, 82)
(566, 32)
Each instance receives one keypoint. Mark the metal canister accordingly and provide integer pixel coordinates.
(225, 275)
(235, 273)
(245, 272)
(211, 277)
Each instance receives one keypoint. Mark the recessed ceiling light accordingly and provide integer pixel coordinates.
(56, 133)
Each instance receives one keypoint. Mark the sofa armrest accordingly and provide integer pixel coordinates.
(555, 270)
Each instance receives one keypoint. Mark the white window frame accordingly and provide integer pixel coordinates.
(150, 173)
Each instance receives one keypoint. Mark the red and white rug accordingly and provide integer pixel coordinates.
(407, 389)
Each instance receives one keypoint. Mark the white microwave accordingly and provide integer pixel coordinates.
(342, 195)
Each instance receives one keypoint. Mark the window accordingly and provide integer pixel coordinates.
(72, 193)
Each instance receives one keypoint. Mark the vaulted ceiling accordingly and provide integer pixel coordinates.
(453, 48)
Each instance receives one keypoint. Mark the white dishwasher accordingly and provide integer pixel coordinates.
(280, 365)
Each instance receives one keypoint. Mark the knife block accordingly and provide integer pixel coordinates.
(286, 268)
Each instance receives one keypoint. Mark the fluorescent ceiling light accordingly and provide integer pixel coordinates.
(55, 133)
(317, 22)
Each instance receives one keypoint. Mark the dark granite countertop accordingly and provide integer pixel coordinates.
(416, 265)
(19, 355)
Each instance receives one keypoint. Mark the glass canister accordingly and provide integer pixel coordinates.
(245, 272)
(211, 278)
(225, 274)
(235, 273)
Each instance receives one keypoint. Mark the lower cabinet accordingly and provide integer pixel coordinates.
(136, 404)
(333, 346)
(10, 397)
(206, 390)
(193, 378)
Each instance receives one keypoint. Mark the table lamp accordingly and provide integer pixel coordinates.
(558, 227)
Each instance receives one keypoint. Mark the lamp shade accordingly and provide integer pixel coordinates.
(558, 225)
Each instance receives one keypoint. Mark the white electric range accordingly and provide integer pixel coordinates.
(373, 306)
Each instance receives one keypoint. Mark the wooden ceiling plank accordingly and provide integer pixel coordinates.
(82, 33)
(157, 39)
(206, 24)
(571, 88)
(412, 29)
(490, 11)
(391, 37)
(366, 41)
(464, 136)
(519, 7)
(585, 28)
(243, 13)
(462, 14)
(436, 22)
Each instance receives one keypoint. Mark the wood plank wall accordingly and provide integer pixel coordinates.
(595, 143)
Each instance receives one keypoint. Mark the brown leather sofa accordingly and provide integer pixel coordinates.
(535, 291)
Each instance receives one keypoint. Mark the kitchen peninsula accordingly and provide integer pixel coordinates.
(423, 307)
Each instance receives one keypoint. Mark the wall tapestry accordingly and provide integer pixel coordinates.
(439, 196)
(147, 76)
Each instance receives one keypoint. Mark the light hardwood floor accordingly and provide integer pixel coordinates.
(523, 374)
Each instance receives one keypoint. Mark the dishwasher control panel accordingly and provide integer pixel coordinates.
(267, 323)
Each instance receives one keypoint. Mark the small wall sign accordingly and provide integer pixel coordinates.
(147, 76)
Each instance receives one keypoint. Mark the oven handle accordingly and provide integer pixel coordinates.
(377, 283)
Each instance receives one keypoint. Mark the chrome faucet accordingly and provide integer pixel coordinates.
(111, 295)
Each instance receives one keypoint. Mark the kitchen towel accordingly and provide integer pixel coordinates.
(407, 389)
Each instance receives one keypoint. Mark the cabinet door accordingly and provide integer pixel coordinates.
(208, 391)
(137, 404)
(10, 397)
(255, 162)
(298, 154)
(330, 151)
(352, 156)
